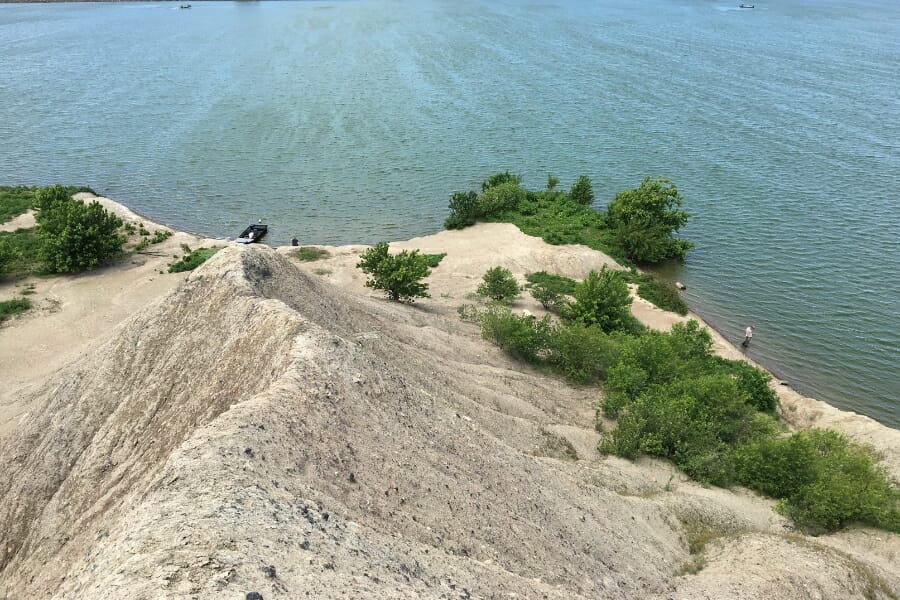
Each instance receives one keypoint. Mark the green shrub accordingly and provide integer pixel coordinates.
(602, 299)
(399, 276)
(499, 284)
(645, 219)
(500, 197)
(192, 259)
(25, 250)
(693, 422)
(74, 236)
(10, 308)
(463, 210)
(311, 253)
(582, 192)
(552, 182)
(522, 337)
(549, 299)
(690, 341)
(433, 260)
(581, 353)
(499, 179)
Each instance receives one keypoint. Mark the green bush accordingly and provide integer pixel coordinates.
(499, 198)
(311, 253)
(693, 422)
(25, 250)
(192, 259)
(74, 236)
(499, 284)
(581, 353)
(824, 480)
(14, 201)
(10, 308)
(522, 337)
(463, 210)
(582, 192)
(602, 299)
(8, 254)
(645, 219)
(499, 179)
(399, 276)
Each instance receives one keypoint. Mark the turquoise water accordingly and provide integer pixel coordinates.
(346, 122)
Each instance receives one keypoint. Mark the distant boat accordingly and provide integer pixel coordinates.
(253, 234)
(748, 6)
(188, 6)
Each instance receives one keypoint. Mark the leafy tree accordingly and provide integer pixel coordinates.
(552, 182)
(602, 299)
(399, 276)
(581, 353)
(463, 210)
(7, 255)
(582, 192)
(499, 284)
(498, 178)
(549, 298)
(74, 236)
(645, 219)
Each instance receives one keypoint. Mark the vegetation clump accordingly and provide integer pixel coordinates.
(658, 292)
(192, 258)
(602, 299)
(399, 276)
(638, 225)
(499, 285)
(74, 236)
(433, 260)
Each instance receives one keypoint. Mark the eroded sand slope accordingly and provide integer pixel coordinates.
(262, 430)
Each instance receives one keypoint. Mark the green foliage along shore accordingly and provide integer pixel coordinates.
(639, 225)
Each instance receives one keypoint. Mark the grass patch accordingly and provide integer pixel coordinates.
(192, 259)
(551, 282)
(27, 245)
(433, 260)
(11, 308)
(17, 200)
(659, 292)
(310, 253)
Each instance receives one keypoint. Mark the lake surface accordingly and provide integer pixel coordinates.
(352, 122)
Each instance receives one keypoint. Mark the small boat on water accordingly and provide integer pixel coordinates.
(253, 234)
(185, 6)
(748, 6)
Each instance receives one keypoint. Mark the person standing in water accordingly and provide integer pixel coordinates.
(748, 335)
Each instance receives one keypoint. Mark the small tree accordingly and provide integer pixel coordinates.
(645, 219)
(582, 192)
(499, 284)
(547, 296)
(601, 299)
(399, 276)
(74, 236)
(552, 182)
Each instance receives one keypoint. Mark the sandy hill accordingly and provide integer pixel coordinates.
(269, 430)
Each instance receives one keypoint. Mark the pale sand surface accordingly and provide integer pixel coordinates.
(23, 221)
(74, 314)
(250, 400)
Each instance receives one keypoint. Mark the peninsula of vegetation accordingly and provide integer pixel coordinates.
(507, 407)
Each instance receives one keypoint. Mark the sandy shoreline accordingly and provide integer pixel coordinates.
(73, 314)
